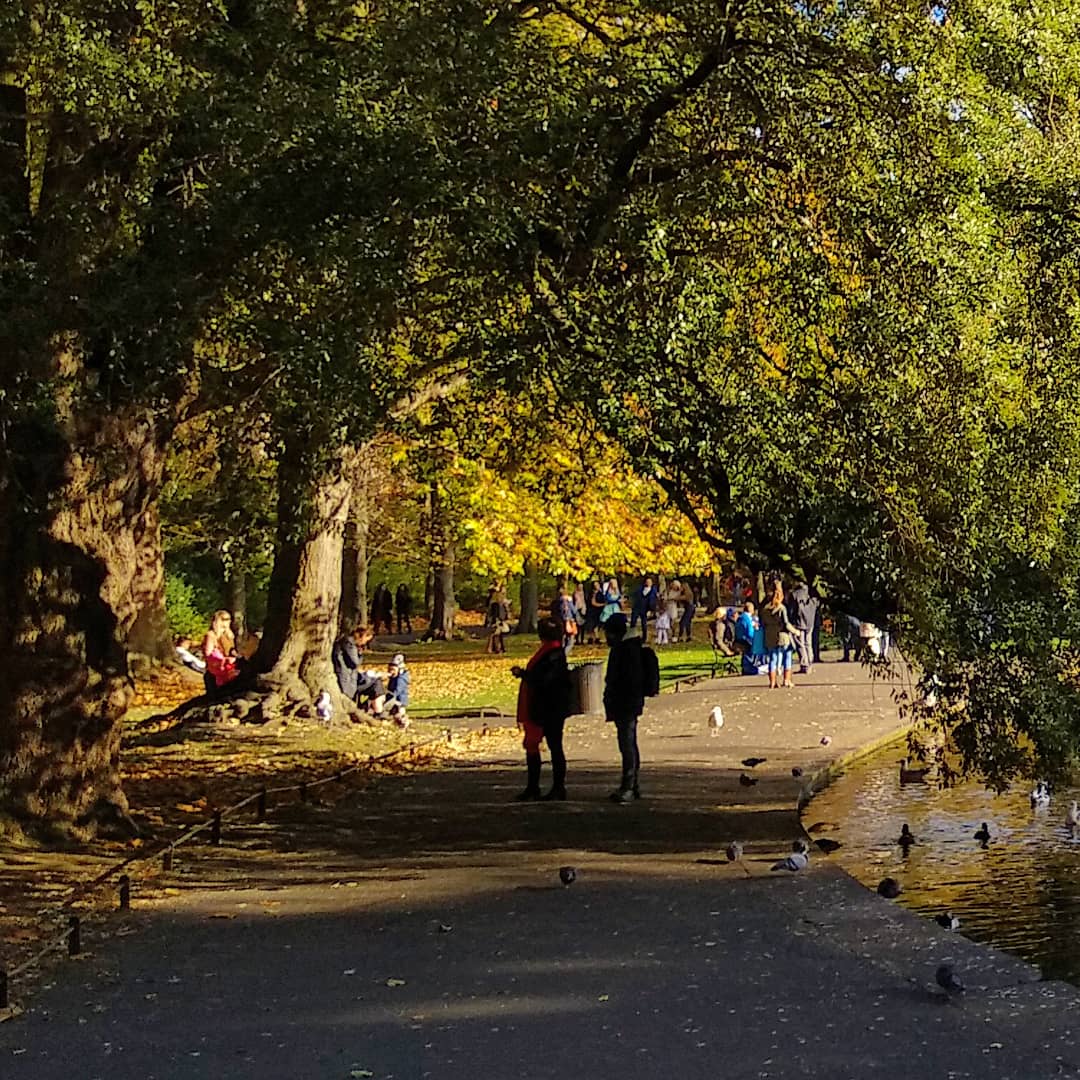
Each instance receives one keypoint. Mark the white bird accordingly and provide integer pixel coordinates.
(734, 851)
(1040, 796)
(797, 860)
(716, 720)
(324, 707)
(1072, 816)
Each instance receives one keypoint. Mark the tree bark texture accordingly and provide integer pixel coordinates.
(78, 497)
(148, 638)
(530, 599)
(443, 600)
(305, 584)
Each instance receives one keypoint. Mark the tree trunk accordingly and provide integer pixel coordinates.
(354, 566)
(530, 599)
(305, 584)
(78, 498)
(443, 600)
(148, 639)
(236, 597)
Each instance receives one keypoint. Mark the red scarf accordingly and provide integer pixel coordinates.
(524, 699)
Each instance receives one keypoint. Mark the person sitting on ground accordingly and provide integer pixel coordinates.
(347, 657)
(219, 652)
(397, 689)
(182, 645)
(542, 708)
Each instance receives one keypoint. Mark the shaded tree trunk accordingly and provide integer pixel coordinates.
(149, 641)
(236, 597)
(530, 599)
(443, 600)
(305, 583)
(354, 566)
(78, 500)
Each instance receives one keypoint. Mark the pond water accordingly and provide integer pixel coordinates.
(1021, 892)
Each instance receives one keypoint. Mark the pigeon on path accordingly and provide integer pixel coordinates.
(796, 771)
(948, 921)
(948, 980)
(751, 762)
(747, 781)
(567, 875)
(797, 860)
(734, 851)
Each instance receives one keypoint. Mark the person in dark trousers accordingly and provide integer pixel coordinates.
(379, 603)
(646, 597)
(624, 701)
(542, 708)
(403, 604)
(848, 627)
(803, 610)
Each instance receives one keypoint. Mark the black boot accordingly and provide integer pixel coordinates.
(532, 787)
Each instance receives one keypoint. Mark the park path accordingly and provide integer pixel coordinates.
(417, 929)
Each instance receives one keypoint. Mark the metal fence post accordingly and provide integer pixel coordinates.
(215, 828)
(125, 892)
(74, 941)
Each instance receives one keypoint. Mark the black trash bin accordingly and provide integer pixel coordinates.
(587, 681)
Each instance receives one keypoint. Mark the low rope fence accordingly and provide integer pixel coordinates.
(72, 936)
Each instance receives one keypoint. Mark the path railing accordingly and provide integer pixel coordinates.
(72, 936)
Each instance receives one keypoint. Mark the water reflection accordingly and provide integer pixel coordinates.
(1020, 892)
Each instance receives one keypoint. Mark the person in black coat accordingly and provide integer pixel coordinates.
(403, 603)
(624, 701)
(542, 709)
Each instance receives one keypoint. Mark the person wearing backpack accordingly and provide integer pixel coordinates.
(625, 686)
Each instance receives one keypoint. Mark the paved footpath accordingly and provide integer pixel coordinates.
(417, 929)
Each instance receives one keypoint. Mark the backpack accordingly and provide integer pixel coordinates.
(650, 672)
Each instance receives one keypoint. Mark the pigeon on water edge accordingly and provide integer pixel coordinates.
(948, 921)
(983, 834)
(890, 888)
(751, 762)
(734, 851)
(797, 860)
(747, 781)
(716, 720)
(567, 875)
(948, 980)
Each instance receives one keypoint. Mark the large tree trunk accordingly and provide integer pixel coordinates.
(78, 501)
(148, 639)
(305, 585)
(354, 567)
(530, 599)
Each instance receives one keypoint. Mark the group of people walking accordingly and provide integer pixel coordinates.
(384, 603)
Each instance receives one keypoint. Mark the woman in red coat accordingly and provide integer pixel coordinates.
(542, 708)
